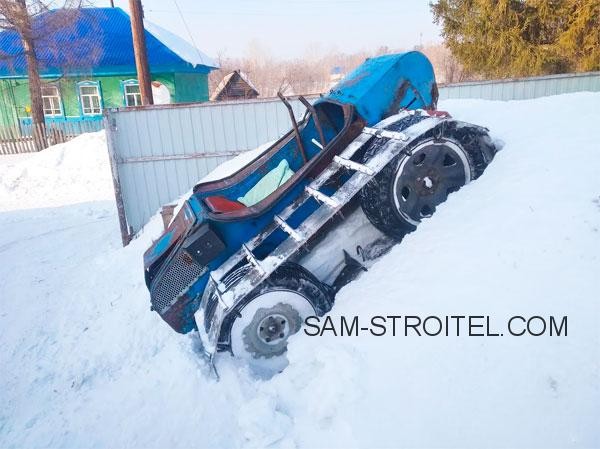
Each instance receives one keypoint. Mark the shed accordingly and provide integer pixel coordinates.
(235, 86)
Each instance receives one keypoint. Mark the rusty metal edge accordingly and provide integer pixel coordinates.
(114, 168)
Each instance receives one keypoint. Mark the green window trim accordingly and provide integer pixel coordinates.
(90, 98)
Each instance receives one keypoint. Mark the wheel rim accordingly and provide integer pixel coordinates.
(274, 327)
(426, 178)
(262, 330)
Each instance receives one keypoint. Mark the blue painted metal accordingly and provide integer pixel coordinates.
(377, 89)
(93, 41)
(66, 119)
(385, 84)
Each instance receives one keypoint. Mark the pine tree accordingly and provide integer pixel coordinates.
(581, 34)
(503, 38)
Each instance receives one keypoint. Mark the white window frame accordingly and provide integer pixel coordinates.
(55, 100)
(136, 95)
(98, 94)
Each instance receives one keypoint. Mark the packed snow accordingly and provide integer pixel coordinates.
(84, 363)
(73, 172)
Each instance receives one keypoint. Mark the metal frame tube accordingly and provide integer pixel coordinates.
(295, 125)
(313, 112)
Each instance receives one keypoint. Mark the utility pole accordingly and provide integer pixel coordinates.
(139, 48)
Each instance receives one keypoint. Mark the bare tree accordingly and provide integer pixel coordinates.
(20, 16)
(308, 75)
(313, 73)
(447, 68)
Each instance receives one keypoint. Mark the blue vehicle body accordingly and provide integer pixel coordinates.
(382, 86)
(177, 276)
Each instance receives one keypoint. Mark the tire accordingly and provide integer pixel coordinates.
(258, 329)
(415, 182)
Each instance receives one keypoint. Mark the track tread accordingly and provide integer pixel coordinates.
(288, 276)
(376, 197)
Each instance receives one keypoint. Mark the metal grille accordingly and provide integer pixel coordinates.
(182, 273)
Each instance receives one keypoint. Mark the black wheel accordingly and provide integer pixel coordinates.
(259, 328)
(414, 183)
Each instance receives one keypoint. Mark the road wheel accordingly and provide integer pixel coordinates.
(258, 329)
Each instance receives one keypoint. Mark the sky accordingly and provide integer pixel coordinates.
(292, 28)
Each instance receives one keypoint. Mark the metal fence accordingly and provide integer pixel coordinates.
(28, 138)
(159, 152)
(523, 88)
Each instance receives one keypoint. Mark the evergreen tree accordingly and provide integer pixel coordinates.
(580, 37)
(501, 38)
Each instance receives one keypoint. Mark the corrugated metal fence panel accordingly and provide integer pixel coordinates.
(523, 88)
(160, 152)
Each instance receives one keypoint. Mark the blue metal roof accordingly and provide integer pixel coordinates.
(94, 41)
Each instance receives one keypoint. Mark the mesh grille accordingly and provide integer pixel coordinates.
(181, 273)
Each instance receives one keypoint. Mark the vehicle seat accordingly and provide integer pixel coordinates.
(264, 187)
(267, 184)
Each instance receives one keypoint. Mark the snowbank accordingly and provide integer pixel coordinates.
(68, 173)
(86, 364)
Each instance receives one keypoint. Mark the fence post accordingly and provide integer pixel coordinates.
(12, 136)
(27, 138)
(3, 144)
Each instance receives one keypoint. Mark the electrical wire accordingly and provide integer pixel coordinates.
(188, 29)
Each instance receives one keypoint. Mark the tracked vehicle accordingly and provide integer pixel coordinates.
(250, 256)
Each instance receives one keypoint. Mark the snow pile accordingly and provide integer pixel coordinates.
(85, 363)
(522, 240)
(68, 173)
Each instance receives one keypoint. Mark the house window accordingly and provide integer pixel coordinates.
(51, 101)
(89, 95)
(133, 97)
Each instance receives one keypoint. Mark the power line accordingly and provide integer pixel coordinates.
(299, 7)
(187, 29)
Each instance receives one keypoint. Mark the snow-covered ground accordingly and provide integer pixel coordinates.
(84, 363)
